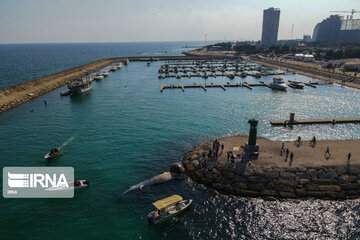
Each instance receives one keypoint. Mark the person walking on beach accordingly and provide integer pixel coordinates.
(282, 146)
(299, 139)
(291, 156)
(348, 159)
(327, 152)
(313, 140)
(287, 153)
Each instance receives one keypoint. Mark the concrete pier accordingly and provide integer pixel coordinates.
(273, 175)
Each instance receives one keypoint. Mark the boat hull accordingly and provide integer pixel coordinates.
(48, 156)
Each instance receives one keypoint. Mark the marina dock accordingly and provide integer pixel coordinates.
(223, 86)
(212, 85)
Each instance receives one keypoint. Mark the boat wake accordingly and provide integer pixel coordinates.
(163, 177)
(67, 141)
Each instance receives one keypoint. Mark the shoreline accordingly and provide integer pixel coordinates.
(310, 72)
(272, 176)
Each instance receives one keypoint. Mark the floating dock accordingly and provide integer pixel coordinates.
(315, 121)
(223, 86)
(212, 85)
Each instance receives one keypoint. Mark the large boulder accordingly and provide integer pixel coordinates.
(346, 178)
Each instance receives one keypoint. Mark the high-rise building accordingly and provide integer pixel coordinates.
(270, 26)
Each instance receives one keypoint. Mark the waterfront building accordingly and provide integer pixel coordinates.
(307, 38)
(270, 26)
(335, 28)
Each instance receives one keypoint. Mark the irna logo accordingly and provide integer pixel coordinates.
(21, 180)
(38, 182)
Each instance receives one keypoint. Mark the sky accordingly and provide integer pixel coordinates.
(44, 21)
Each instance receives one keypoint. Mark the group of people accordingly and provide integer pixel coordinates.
(287, 152)
(214, 152)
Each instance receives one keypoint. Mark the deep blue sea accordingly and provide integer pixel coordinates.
(125, 131)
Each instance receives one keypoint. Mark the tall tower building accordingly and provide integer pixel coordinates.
(270, 26)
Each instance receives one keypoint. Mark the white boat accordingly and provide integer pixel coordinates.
(113, 69)
(105, 73)
(278, 84)
(167, 208)
(53, 153)
(126, 62)
(119, 65)
(231, 75)
(76, 185)
(296, 84)
(98, 76)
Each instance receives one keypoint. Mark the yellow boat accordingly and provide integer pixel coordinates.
(168, 208)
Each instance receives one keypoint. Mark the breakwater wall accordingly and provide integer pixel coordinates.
(269, 182)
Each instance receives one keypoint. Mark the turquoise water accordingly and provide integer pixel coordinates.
(125, 131)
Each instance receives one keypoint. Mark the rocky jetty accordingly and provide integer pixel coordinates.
(275, 177)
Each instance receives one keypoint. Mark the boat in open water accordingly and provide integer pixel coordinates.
(53, 153)
(168, 208)
(80, 86)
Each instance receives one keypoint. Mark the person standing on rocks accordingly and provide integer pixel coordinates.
(291, 156)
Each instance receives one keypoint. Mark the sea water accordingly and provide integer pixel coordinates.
(125, 131)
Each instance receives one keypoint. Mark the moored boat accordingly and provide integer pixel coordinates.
(53, 153)
(113, 68)
(231, 75)
(98, 76)
(80, 86)
(167, 208)
(105, 73)
(119, 65)
(278, 84)
(296, 84)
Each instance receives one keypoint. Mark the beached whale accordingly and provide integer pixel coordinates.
(176, 172)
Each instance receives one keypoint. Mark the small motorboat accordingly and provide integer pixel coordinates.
(119, 65)
(76, 185)
(167, 208)
(98, 76)
(53, 153)
(105, 73)
(113, 69)
(296, 84)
